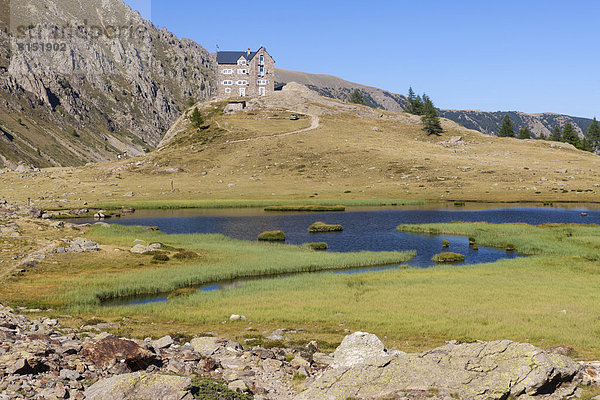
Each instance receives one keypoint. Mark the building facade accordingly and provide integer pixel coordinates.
(245, 73)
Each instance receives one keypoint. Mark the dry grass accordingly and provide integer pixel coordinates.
(354, 154)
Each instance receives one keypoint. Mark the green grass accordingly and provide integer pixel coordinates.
(549, 298)
(317, 246)
(224, 259)
(448, 257)
(548, 239)
(319, 226)
(272, 236)
(519, 299)
(182, 204)
(306, 208)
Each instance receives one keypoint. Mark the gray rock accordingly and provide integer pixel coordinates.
(205, 346)
(141, 249)
(238, 386)
(360, 348)
(163, 342)
(69, 374)
(141, 385)
(474, 371)
(237, 317)
(322, 359)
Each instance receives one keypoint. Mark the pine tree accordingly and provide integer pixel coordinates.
(430, 118)
(420, 105)
(586, 144)
(506, 127)
(524, 133)
(593, 134)
(356, 97)
(196, 118)
(414, 103)
(556, 134)
(569, 135)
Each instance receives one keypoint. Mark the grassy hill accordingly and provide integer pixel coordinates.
(335, 152)
(482, 121)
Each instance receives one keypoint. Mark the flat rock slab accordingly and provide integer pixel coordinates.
(474, 371)
(141, 386)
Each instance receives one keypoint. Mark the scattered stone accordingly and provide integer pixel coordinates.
(236, 317)
(163, 342)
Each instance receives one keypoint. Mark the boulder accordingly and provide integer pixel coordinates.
(360, 348)
(111, 350)
(141, 385)
(362, 369)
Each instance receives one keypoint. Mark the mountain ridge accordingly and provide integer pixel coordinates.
(116, 86)
(487, 122)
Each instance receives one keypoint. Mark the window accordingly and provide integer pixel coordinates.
(262, 59)
(241, 62)
(262, 82)
(228, 90)
(225, 83)
(261, 91)
(262, 71)
(227, 71)
(242, 92)
(242, 71)
(242, 83)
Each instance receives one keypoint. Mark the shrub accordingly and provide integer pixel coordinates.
(445, 243)
(185, 255)
(160, 257)
(448, 257)
(317, 246)
(323, 227)
(209, 389)
(272, 236)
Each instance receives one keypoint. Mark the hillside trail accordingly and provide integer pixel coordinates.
(315, 123)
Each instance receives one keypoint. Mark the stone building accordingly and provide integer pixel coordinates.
(245, 73)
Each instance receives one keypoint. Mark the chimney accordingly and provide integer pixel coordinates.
(248, 53)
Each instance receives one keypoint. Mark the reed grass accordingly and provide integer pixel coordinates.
(183, 204)
(227, 259)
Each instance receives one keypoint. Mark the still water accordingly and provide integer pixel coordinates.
(364, 229)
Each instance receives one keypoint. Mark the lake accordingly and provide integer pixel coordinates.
(371, 229)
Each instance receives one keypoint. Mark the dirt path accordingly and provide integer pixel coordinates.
(314, 124)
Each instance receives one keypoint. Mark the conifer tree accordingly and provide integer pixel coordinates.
(430, 118)
(593, 134)
(356, 97)
(556, 134)
(524, 133)
(414, 103)
(506, 127)
(196, 118)
(569, 135)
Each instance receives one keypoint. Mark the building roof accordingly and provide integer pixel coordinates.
(231, 57)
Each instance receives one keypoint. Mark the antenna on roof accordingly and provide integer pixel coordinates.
(217, 47)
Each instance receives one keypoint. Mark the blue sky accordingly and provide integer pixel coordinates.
(527, 55)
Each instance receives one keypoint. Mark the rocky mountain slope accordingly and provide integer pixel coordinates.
(482, 121)
(107, 81)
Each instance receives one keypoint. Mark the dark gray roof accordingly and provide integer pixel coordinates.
(231, 57)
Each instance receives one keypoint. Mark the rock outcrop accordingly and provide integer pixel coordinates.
(111, 82)
(41, 359)
(362, 369)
